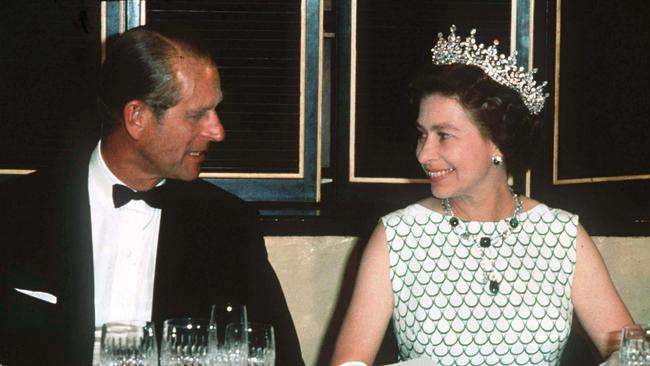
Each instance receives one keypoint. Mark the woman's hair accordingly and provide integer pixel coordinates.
(497, 110)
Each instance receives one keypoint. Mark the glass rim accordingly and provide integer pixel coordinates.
(125, 329)
(257, 324)
(186, 320)
(127, 323)
(188, 324)
(636, 326)
(225, 305)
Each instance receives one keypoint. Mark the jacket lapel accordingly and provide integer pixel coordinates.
(77, 271)
(170, 257)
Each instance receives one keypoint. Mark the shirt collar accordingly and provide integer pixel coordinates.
(101, 179)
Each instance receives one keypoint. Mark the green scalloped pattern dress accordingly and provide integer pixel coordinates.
(443, 305)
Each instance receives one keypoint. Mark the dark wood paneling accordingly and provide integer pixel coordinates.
(393, 42)
(604, 90)
(602, 120)
(49, 65)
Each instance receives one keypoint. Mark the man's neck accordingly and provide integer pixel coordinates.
(122, 162)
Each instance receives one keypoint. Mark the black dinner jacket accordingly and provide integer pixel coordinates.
(210, 251)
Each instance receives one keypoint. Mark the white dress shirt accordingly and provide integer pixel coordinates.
(125, 241)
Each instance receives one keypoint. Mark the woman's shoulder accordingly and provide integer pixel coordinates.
(428, 207)
(533, 208)
(430, 203)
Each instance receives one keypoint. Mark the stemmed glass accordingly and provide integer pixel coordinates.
(220, 316)
(635, 345)
(261, 344)
(234, 350)
(253, 345)
(186, 341)
(224, 314)
(128, 343)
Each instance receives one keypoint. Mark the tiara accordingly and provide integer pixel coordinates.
(502, 69)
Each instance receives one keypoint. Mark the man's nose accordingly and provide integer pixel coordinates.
(213, 129)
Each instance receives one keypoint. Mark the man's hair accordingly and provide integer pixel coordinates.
(140, 65)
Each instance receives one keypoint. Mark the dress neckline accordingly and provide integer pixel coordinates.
(538, 208)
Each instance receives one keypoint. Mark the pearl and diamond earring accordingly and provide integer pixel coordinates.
(497, 160)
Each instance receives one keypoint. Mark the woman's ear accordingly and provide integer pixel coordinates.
(135, 114)
(496, 151)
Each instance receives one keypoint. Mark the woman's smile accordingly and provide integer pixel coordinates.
(438, 174)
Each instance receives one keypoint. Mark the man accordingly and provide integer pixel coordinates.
(78, 251)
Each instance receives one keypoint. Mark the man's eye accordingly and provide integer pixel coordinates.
(443, 135)
(196, 116)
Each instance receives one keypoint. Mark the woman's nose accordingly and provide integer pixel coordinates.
(426, 151)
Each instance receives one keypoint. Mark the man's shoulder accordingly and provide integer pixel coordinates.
(202, 201)
(202, 194)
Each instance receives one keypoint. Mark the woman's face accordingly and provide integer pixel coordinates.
(452, 151)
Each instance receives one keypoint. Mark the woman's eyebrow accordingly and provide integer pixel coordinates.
(436, 127)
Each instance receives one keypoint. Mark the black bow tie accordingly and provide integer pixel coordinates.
(123, 194)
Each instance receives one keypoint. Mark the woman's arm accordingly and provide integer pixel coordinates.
(596, 302)
(370, 310)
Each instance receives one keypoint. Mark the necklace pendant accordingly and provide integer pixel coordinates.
(514, 222)
(453, 221)
(494, 287)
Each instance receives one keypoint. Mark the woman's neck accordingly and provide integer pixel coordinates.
(493, 205)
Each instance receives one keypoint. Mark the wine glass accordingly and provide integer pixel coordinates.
(224, 314)
(220, 316)
(186, 341)
(251, 345)
(234, 350)
(635, 345)
(261, 344)
(128, 343)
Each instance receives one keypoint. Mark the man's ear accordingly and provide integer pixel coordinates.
(135, 114)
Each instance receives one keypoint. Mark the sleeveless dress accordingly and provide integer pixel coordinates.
(444, 308)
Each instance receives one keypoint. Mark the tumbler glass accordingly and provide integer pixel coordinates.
(186, 341)
(128, 343)
(635, 345)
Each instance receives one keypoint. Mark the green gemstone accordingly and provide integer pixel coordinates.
(514, 222)
(453, 221)
(494, 287)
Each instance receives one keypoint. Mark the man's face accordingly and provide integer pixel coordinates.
(174, 146)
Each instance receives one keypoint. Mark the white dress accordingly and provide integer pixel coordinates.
(444, 307)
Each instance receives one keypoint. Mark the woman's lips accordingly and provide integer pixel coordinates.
(437, 174)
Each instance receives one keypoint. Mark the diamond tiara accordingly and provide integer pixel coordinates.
(502, 69)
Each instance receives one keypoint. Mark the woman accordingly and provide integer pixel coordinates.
(476, 274)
